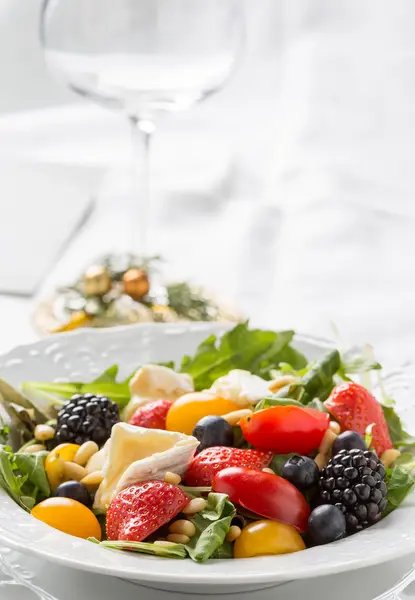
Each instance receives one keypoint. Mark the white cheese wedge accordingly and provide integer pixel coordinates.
(241, 386)
(155, 382)
(139, 454)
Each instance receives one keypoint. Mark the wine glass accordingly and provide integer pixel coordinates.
(144, 58)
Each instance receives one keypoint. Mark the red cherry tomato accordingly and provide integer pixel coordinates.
(285, 429)
(264, 494)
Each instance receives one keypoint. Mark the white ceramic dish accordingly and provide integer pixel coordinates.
(82, 355)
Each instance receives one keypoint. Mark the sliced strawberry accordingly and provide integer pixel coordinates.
(141, 509)
(355, 408)
(152, 415)
(210, 461)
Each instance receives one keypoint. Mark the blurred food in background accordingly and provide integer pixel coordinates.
(122, 289)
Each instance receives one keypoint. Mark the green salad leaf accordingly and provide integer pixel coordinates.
(400, 482)
(33, 465)
(212, 524)
(397, 433)
(56, 393)
(311, 388)
(170, 551)
(108, 376)
(23, 476)
(240, 348)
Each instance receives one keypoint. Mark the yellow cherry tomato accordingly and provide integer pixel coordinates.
(190, 408)
(266, 537)
(55, 463)
(68, 516)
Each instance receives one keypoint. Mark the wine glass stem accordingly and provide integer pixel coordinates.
(142, 132)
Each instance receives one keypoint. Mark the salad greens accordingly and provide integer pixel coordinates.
(212, 524)
(23, 476)
(170, 551)
(240, 348)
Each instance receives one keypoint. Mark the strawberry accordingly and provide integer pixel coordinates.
(152, 415)
(210, 461)
(141, 509)
(355, 408)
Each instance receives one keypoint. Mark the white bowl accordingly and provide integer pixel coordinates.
(81, 356)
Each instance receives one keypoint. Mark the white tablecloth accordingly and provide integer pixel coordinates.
(332, 239)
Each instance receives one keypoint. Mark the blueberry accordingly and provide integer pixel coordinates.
(303, 472)
(348, 440)
(74, 490)
(326, 524)
(213, 431)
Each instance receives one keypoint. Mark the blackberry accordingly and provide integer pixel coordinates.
(354, 481)
(86, 417)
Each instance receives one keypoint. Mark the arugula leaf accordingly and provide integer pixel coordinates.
(224, 551)
(212, 524)
(275, 400)
(117, 392)
(317, 381)
(215, 507)
(317, 404)
(33, 465)
(170, 551)
(358, 360)
(11, 482)
(240, 348)
(400, 483)
(4, 432)
(110, 375)
(397, 433)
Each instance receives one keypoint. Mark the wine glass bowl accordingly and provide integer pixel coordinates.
(142, 56)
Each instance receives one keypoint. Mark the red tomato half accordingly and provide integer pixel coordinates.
(264, 494)
(285, 429)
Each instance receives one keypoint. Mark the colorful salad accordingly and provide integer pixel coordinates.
(244, 449)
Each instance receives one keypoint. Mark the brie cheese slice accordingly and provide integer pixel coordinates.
(139, 454)
(242, 387)
(155, 382)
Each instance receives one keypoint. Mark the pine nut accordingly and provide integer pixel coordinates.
(267, 470)
(389, 457)
(327, 442)
(172, 478)
(233, 533)
(235, 416)
(335, 427)
(321, 460)
(194, 506)
(34, 448)
(178, 538)
(278, 384)
(184, 527)
(85, 452)
(74, 472)
(44, 432)
(163, 543)
(93, 480)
